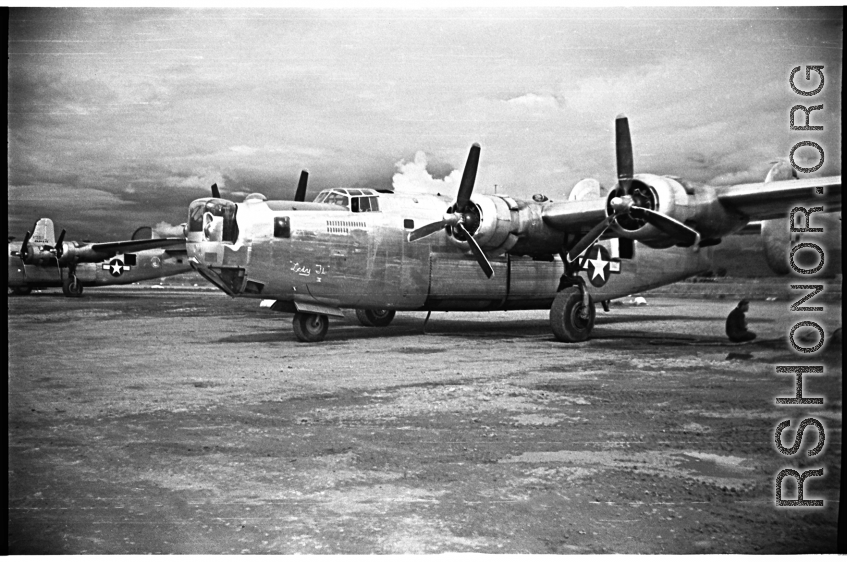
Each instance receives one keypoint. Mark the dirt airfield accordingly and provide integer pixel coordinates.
(164, 421)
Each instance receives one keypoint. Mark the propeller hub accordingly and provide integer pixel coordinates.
(621, 204)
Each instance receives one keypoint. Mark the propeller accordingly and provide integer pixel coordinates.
(623, 153)
(60, 247)
(462, 216)
(300, 194)
(215, 193)
(24, 253)
(627, 201)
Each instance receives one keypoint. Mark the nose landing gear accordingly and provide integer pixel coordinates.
(309, 327)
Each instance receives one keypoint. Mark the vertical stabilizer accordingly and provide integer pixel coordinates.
(43, 233)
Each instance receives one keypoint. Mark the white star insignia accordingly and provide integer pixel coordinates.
(599, 266)
(116, 267)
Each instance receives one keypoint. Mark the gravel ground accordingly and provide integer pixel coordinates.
(186, 422)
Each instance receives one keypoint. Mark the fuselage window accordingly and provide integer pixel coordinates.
(282, 227)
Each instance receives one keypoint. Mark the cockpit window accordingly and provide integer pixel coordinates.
(355, 200)
(364, 204)
(215, 218)
(337, 199)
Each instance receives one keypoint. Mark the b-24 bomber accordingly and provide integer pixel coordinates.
(380, 252)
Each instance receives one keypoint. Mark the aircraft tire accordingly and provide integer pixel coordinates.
(375, 318)
(21, 291)
(310, 328)
(71, 287)
(565, 318)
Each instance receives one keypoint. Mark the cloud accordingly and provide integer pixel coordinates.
(413, 177)
(535, 101)
(167, 230)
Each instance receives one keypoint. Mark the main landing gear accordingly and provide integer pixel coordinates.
(573, 312)
(71, 286)
(309, 327)
(375, 318)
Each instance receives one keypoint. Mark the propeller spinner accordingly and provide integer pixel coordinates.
(630, 200)
(462, 217)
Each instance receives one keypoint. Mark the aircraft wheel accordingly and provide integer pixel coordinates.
(71, 287)
(310, 328)
(21, 291)
(375, 318)
(568, 317)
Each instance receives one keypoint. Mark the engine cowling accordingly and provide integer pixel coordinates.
(657, 193)
(73, 252)
(493, 232)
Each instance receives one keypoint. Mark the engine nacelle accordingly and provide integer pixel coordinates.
(776, 242)
(657, 193)
(507, 225)
(698, 208)
(73, 252)
(494, 231)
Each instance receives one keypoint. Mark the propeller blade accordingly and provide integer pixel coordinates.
(215, 193)
(425, 230)
(468, 179)
(589, 239)
(477, 251)
(25, 247)
(623, 152)
(300, 195)
(60, 249)
(685, 236)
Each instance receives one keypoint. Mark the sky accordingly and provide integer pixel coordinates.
(119, 118)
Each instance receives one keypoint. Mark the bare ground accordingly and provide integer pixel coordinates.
(187, 422)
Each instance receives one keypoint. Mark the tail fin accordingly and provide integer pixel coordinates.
(781, 170)
(43, 233)
(589, 188)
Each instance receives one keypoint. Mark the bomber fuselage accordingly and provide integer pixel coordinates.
(356, 254)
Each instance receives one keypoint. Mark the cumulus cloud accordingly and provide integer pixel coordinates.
(535, 101)
(201, 179)
(167, 230)
(413, 177)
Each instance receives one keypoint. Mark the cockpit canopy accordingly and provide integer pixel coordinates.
(354, 200)
(215, 218)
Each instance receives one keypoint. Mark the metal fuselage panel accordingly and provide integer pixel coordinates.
(364, 260)
(149, 264)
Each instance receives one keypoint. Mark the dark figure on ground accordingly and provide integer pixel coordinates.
(736, 324)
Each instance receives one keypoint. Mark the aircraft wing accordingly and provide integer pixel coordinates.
(177, 251)
(770, 200)
(125, 246)
(574, 216)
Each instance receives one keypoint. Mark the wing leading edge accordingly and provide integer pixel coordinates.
(770, 200)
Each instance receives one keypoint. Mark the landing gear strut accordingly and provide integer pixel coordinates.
(310, 328)
(71, 286)
(375, 318)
